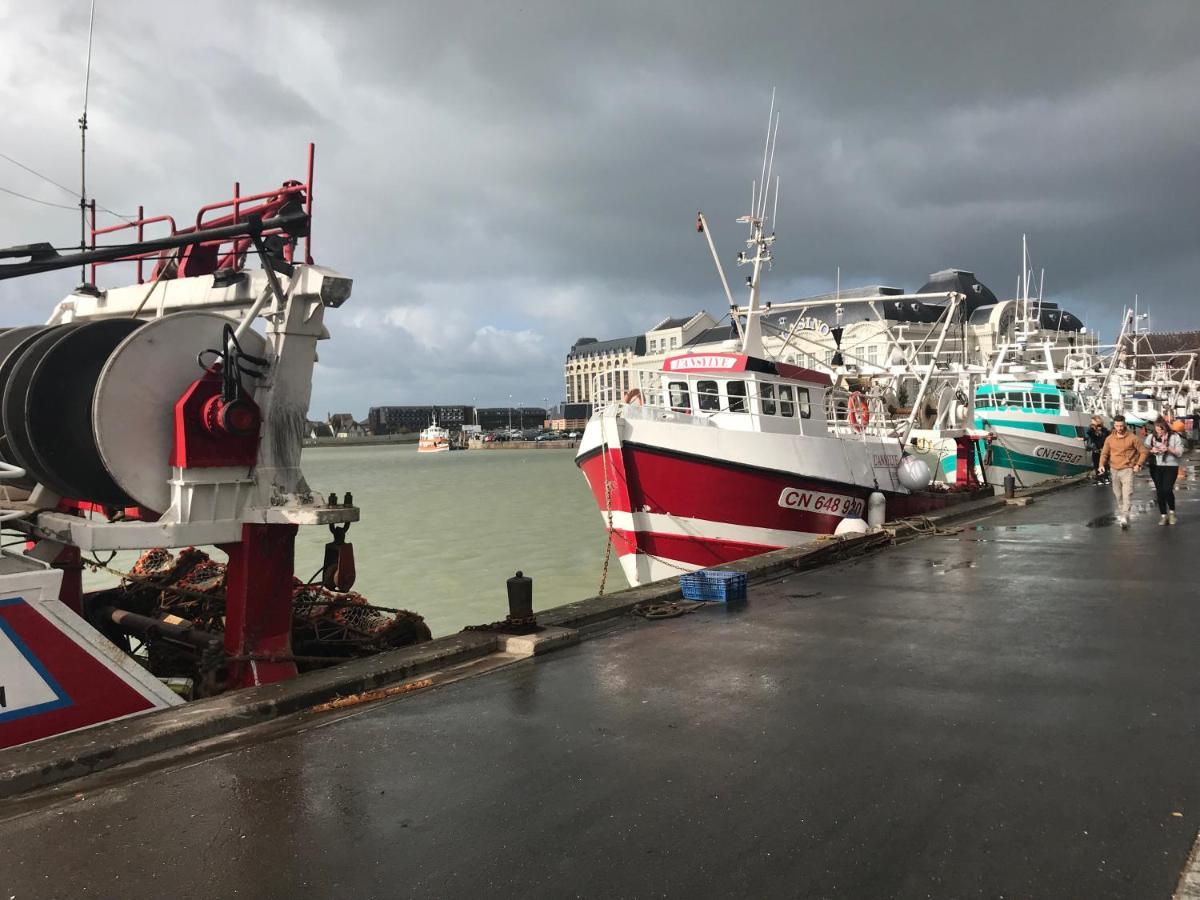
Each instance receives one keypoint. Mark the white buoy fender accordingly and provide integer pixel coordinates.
(876, 510)
(851, 526)
(914, 473)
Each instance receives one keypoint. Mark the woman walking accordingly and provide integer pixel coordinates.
(1166, 447)
(1094, 438)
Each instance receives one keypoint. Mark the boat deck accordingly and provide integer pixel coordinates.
(1010, 710)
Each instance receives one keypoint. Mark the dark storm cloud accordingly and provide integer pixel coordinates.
(503, 178)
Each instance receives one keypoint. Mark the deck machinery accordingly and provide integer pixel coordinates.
(169, 413)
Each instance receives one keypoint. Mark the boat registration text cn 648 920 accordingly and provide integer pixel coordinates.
(814, 501)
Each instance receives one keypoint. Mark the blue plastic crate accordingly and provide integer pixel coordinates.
(713, 584)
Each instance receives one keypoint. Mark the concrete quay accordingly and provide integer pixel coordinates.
(1009, 709)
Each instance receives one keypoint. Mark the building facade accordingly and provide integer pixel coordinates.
(399, 419)
(594, 365)
(829, 332)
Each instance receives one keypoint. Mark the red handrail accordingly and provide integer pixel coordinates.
(207, 256)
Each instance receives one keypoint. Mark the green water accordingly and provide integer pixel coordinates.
(440, 532)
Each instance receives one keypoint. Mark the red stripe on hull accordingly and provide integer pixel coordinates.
(659, 481)
(695, 551)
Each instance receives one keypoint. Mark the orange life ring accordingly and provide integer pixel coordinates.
(857, 412)
(633, 395)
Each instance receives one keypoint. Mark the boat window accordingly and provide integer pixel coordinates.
(1035, 400)
(984, 400)
(678, 392)
(1069, 401)
(737, 395)
(707, 397)
(802, 402)
(786, 406)
(1053, 402)
(766, 393)
(1014, 398)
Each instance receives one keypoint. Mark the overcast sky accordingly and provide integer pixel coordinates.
(502, 178)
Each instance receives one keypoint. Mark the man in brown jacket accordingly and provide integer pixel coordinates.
(1122, 454)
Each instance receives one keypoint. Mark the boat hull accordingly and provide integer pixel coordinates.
(1026, 449)
(670, 511)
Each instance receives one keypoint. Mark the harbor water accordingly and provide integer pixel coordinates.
(440, 532)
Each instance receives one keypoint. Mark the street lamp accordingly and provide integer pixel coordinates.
(510, 412)
(520, 418)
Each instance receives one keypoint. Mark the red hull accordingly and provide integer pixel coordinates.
(719, 511)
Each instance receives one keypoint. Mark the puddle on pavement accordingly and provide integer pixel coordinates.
(944, 567)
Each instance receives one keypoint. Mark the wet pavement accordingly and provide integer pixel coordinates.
(1011, 710)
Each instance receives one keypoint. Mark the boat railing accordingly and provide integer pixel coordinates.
(879, 422)
(206, 257)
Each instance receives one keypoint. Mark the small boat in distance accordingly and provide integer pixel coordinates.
(434, 439)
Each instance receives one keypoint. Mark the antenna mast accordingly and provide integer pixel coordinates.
(87, 77)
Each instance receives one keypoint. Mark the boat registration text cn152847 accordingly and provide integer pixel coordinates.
(815, 501)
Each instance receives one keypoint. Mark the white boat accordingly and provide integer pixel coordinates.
(434, 439)
(724, 455)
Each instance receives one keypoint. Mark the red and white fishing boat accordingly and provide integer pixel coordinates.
(720, 456)
(434, 439)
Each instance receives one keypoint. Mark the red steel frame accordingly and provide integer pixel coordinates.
(264, 204)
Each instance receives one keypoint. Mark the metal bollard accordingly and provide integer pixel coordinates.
(1010, 487)
(520, 597)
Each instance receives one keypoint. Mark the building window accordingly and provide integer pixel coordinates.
(707, 397)
(674, 343)
(829, 357)
(873, 354)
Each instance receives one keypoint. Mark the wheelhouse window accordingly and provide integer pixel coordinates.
(766, 396)
(736, 390)
(677, 393)
(787, 406)
(707, 397)
(1053, 402)
(1070, 401)
(802, 402)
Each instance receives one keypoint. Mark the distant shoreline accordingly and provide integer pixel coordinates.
(365, 440)
(387, 440)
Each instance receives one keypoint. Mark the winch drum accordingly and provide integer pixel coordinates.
(135, 395)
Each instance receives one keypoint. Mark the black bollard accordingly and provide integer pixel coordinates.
(520, 598)
(1010, 487)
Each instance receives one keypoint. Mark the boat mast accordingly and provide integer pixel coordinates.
(759, 242)
(83, 204)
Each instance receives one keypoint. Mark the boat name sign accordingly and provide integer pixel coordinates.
(815, 501)
(699, 361)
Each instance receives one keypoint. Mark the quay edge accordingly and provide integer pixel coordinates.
(43, 764)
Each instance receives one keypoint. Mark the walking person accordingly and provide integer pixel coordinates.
(1122, 455)
(1094, 439)
(1166, 446)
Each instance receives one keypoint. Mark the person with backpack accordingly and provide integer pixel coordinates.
(1166, 446)
(1122, 454)
(1094, 439)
